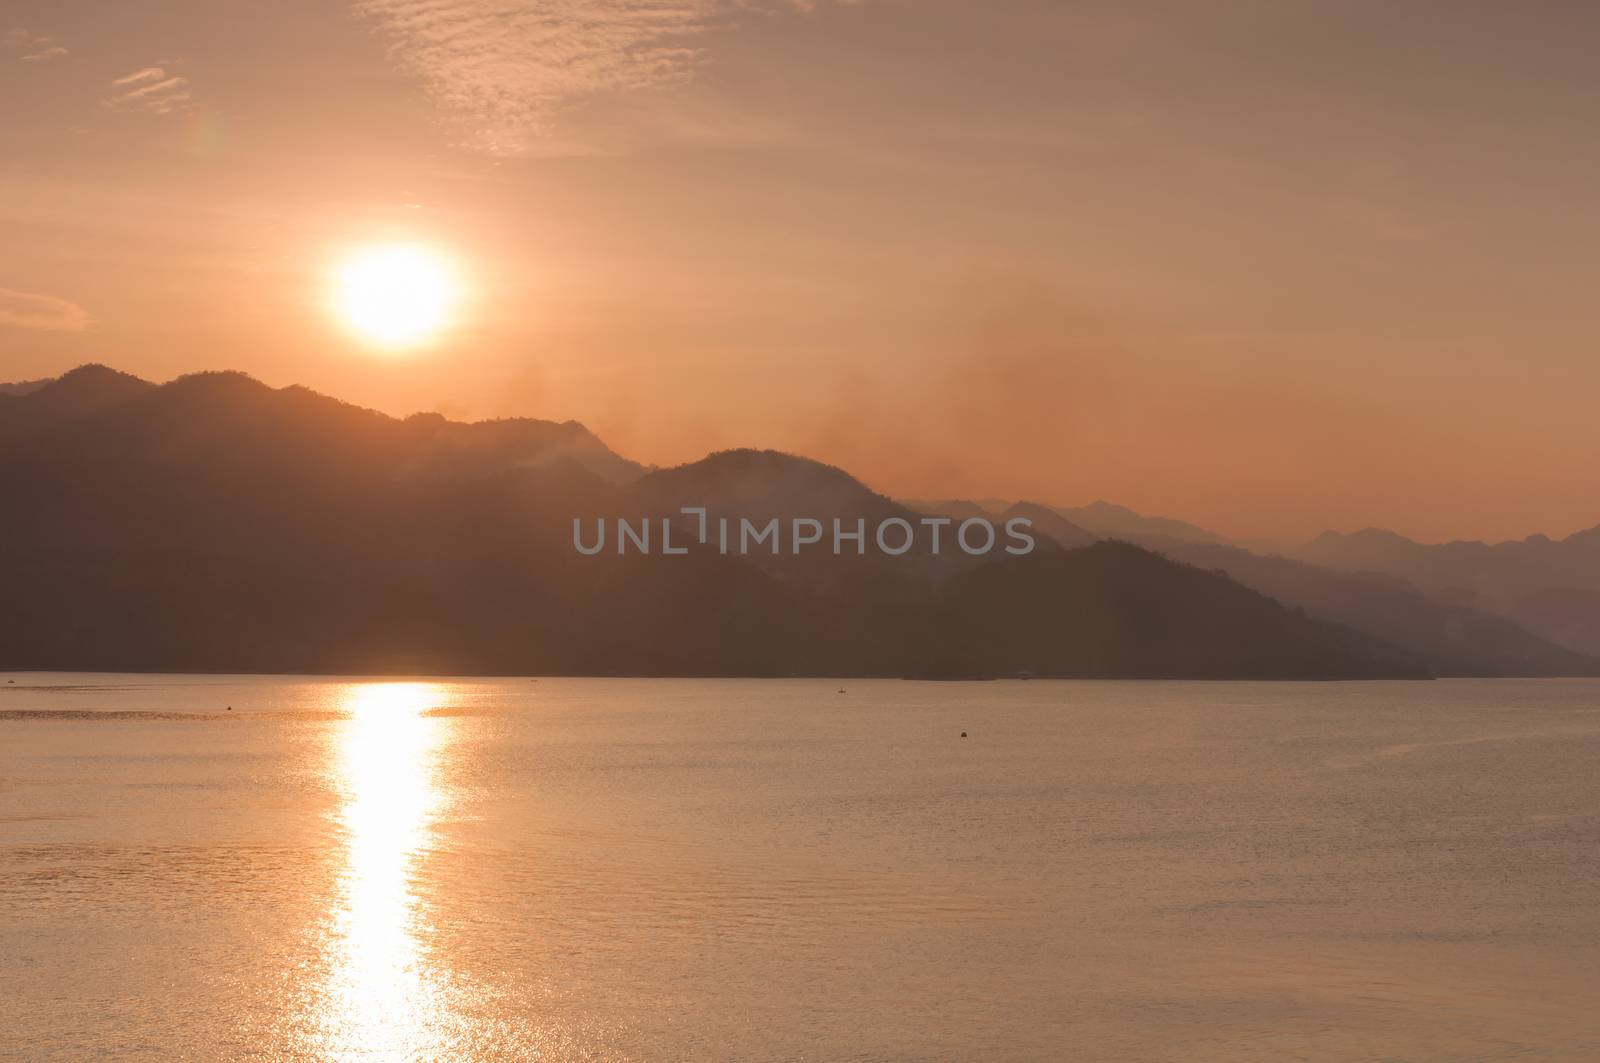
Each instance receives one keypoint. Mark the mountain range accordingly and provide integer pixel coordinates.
(1549, 586)
(1528, 620)
(216, 524)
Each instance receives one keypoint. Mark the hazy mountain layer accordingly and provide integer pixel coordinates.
(1550, 586)
(1550, 633)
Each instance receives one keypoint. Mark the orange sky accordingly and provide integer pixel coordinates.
(1271, 267)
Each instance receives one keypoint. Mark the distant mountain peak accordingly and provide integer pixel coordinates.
(751, 474)
(80, 393)
(94, 376)
(755, 457)
(1368, 535)
(1108, 520)
(1110, 509)
(233, 379)
(1048, 522)
(1589, 537)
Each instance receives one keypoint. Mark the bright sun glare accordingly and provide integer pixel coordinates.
(396, 296)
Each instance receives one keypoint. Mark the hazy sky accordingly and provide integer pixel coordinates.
(1269, 265)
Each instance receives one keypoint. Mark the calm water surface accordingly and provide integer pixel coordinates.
(647, 870)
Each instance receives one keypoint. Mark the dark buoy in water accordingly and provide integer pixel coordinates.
(230, 708)
(963, 734)
(841, 690)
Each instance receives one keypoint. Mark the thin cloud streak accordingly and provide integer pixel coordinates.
(37, 47)
(149, 73)
(45, 313)
(150, 89)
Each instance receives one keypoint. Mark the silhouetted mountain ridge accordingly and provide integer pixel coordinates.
(1110, 521)
(1455, 639)
(1542, 583)
(217, 524)
(1051, 523)
(1551, 633)
(80, 393)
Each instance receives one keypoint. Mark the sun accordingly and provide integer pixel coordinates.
(397, 295)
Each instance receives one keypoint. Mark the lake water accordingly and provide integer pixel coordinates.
(684, 870)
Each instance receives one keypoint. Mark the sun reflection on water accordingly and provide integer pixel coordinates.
(381, 1000)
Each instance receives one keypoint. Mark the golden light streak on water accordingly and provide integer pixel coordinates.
(382, 1001)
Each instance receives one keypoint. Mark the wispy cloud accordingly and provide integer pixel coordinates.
(504, 70)
(45, 312)
(35, 48)
(150, 89)
(148, 74)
